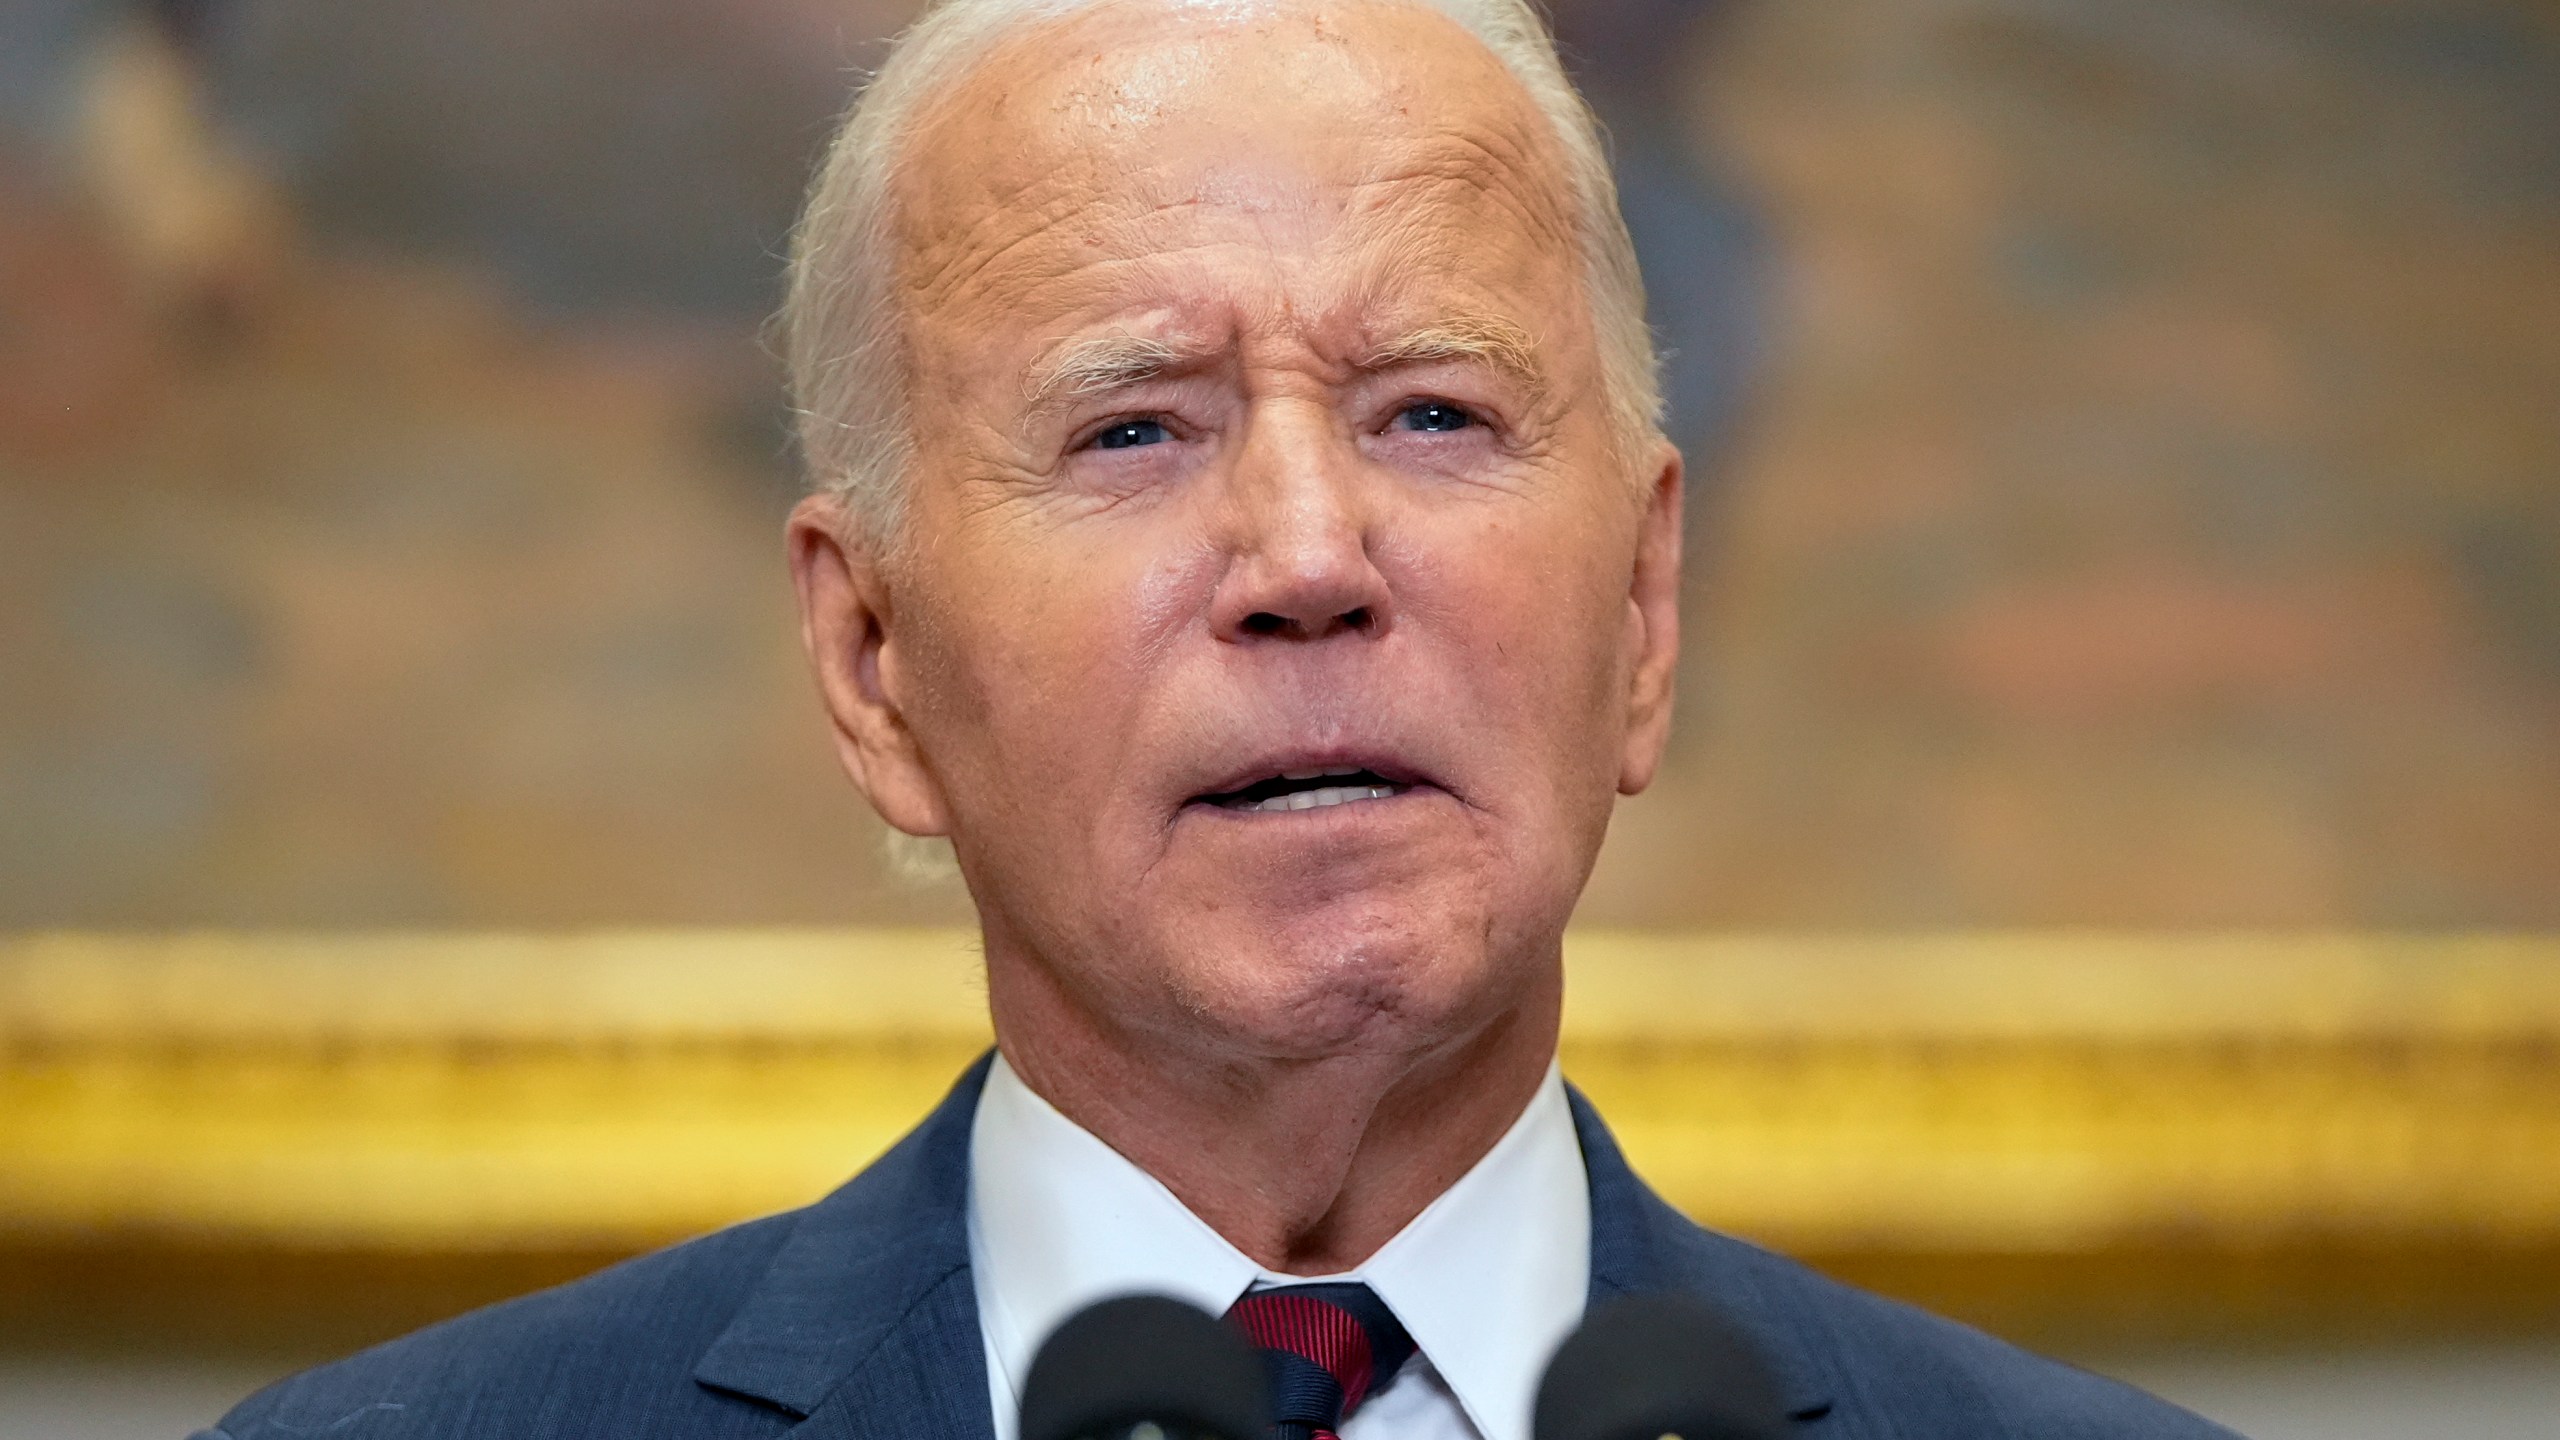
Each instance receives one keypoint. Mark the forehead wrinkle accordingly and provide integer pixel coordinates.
(948, 255)
(1463, 172)
(1089, 110)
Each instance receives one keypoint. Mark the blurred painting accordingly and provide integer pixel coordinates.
(2125, 469)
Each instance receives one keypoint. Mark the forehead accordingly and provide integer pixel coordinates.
(1137, 133)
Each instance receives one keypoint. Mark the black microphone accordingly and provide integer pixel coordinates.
(1145, 1361)
(1651, 1367)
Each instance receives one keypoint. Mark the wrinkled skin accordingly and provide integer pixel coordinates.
(1310, 530)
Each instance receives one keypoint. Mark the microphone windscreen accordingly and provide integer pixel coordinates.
(1643, 1367)
(1145, 1358)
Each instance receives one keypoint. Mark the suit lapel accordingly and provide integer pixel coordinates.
(927, 1378)
(1641, 1245)
(866, 1323)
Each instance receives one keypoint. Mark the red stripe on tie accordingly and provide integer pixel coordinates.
(1327, 1334)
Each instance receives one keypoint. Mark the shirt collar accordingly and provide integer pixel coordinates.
(1488, 1278)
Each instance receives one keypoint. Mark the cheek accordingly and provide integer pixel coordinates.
(1044, 652)
(1538, 612)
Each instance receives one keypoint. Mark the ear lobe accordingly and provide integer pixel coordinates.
(1653, 625)
(845, 628)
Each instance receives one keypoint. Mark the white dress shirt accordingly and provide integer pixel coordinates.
(1488, 1279)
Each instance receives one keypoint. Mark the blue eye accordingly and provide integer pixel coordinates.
(1127, 434)
(1435, 416)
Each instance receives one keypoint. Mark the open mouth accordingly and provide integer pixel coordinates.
(1308, 790)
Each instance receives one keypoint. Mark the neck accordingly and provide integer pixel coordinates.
(1306, 1164)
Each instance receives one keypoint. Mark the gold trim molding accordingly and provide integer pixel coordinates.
(1998, 1094)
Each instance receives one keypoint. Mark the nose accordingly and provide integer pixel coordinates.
(1299, 528)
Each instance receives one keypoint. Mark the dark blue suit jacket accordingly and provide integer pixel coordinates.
(856, 1317)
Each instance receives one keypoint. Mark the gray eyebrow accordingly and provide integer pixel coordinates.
(1489, 339)
(1104, 362)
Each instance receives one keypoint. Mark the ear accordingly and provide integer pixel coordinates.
(1653, 625)
(846, 626)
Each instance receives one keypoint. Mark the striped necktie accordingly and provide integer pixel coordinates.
(1328, 1347)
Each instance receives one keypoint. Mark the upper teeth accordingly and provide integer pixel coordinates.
(1319, 774)
(1322, 795)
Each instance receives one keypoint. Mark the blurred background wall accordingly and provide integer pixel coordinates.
(2126, 444)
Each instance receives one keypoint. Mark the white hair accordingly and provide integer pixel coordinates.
(840, 323)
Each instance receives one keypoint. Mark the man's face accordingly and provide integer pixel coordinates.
(1273, 622)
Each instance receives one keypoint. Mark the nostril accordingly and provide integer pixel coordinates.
(1264, 624)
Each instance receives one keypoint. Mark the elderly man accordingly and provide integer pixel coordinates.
(1241, 527)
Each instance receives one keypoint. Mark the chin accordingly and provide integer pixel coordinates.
(1376, 974)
